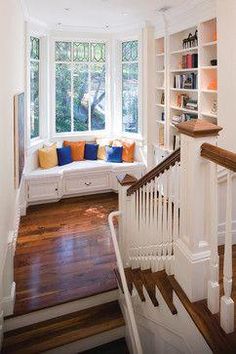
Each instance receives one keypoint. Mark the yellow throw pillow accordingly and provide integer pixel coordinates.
(102, 143)
(48, 156)
(128, 149)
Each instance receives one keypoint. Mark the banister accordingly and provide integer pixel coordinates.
(156, 171)
(219, 156)
(136, 339)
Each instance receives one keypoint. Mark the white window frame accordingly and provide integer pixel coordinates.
(118, 88)
(41, 33)
(88, 133)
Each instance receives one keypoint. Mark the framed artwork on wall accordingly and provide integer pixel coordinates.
(19, 137)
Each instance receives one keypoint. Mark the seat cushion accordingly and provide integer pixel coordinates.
(64, 155)
(114, 154)
(77, 149)
(91, 151)
(48, 157)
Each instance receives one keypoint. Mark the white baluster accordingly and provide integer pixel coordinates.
(170, 221)
(227, 304)
(213, 283)
(176, 202)
(154, 264)
(160, 224)
(165, 225)
(151, 223)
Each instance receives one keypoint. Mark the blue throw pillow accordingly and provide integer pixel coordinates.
(91, 151)
(64, 155)
(114, 153)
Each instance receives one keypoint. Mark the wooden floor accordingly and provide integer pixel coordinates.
(64, 252)
(117, 347)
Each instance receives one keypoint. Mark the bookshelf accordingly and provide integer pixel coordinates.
(187, 78)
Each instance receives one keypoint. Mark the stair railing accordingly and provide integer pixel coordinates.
(131, 322)
(218, 156)
(151, 222)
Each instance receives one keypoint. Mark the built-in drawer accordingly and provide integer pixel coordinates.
(43, 189)
(78, 183)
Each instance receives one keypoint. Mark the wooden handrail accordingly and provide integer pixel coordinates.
(156, 171)
(220, 156)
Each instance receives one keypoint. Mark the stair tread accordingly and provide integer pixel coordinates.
(64, 329)
(117, 347)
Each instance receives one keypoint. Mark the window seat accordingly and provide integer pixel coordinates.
(77, 178)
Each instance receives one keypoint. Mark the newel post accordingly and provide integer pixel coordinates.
(192, 249)
(125, 181)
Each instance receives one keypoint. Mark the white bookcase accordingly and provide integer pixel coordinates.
(169, 54)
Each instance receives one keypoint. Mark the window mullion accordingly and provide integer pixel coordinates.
(72, 97)
(89, 90)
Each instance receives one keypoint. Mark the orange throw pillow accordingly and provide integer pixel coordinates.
(77, 149)
(128, 149)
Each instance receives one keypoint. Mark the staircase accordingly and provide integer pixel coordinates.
(171, 272)
(71, 333)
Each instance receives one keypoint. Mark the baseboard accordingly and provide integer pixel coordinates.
(59, 310)
(9, 301)
(90, 342)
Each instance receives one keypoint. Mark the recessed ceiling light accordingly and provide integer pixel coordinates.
(67, 9)
(124, 13)
(59, 23)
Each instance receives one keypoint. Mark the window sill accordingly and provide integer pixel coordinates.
(35, 143)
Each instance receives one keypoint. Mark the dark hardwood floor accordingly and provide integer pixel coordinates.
(64, 252)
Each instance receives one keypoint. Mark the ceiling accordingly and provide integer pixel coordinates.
(99, 14)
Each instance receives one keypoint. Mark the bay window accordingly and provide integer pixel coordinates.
(130, 86)
(80, 86)
(34, 87)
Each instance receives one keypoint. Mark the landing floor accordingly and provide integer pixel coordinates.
(64, 252)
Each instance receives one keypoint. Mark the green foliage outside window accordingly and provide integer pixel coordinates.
(80, 86)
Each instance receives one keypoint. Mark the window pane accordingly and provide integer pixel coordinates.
(34, 99)
(34, 48)
(81, 97)
(63, 51)
(130, 51)
(81, 51)
(130, 97)
(63, 98)
(98, 96)
(98, 54)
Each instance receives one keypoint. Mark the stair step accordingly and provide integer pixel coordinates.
(117, 347)
(63, 330)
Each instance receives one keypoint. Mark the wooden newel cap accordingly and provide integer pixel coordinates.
(198, 128)
(126, 179)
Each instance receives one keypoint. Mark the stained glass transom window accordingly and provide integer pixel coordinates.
(80, 86)
(34, 87)
(130, 51)
(130, 86)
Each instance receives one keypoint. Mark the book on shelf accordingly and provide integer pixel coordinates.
(186, 81)
(179, 118)
(190, 61)
(176, 141)
(162, 116)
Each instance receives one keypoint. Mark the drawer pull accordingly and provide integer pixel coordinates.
(88, 183)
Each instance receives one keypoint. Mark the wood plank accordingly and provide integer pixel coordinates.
(63, 330)
(117, 347)
(64, 252)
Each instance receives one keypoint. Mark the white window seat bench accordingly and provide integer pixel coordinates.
(77, 178)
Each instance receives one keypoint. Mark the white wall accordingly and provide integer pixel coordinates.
(12, 78)
(226, 15)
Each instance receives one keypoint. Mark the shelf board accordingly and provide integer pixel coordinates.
(160, 71)
(209, 67)
(207, 114)
(160, 105)
(209, 44)
(160, 88)
(160, 54)
(173, 125)
(184, 50)
(161, 122)
(209, 91)
(184, 90)
(184, 70)
(184, 109)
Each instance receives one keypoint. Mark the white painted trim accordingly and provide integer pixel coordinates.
(9, 301)
(90, 342)
(59, 310)
(221, 233)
